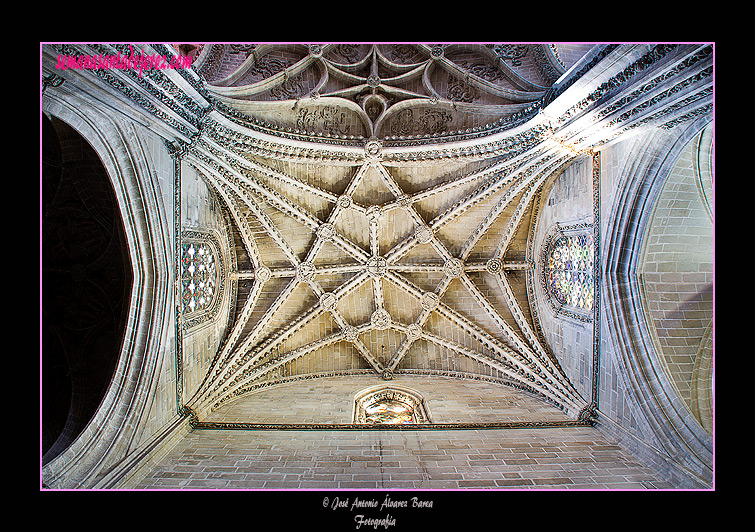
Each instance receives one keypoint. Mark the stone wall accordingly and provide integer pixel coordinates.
(554, 458)
(201, 214)
(677, 274)
(539, 458)
(566, 201)
(330, 400)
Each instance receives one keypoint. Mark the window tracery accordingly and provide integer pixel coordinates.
(200, 281)
(569, 271)
(199, 276)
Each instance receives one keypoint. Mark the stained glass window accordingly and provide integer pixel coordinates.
(381, 405)
(389, 411)
(570, 271)
(198, 276)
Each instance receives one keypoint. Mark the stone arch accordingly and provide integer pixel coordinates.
(678, 293)
(86, 288)
(113, 428)
(637, 358)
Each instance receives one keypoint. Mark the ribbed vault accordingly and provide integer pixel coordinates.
(370, 251)
(372, 246)
(377, 204)
(383, 90)
(376, 255)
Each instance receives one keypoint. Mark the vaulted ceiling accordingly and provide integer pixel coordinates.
(383, 197)
(381, 202)
(381, 250)
(387, 91)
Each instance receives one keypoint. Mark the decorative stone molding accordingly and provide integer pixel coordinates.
(315, 51)
(376, 266)
(326, 231)
(423, 234)
(374, 150)
(494, 266)
(373, 213)
(414, 332)
(404, 201)
(350, 333)
(216, 425)
(195, 112)
(453, 268)
(345, 201)
(429, 300)
(51, 80)
(263, 274)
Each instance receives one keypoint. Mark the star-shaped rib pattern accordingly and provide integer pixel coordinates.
(376, 268)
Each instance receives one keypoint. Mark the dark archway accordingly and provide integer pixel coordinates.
(85, 284)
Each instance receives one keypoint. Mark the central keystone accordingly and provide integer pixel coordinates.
(376, 266)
